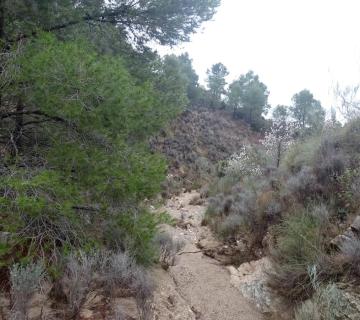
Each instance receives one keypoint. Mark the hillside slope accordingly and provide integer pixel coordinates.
(197, 140)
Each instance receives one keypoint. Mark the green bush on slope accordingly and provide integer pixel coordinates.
(300, 246)
(79, 159)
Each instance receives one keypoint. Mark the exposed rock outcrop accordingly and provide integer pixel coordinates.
(251, 279)
(350, 234)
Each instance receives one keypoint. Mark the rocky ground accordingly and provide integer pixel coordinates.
(200, 284)
(197, 286)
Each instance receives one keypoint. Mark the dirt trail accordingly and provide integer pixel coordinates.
(196, 287)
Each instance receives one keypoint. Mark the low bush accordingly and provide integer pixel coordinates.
(350, 138)
(322, 214)
(25, 282)
(308, 310)
(78, 274)
(303, 185)
(135, 233)
(349, 257)
(300, 246)
(38, 210)
(328, 303)
(231, 226)
(222, 185)
(205, 168)
(301, 154)
(168, 248)
(119, 271)
(116, 273)
(348, 193)
(330, 162)
(144, 288)
(171, 186)
(245, 213)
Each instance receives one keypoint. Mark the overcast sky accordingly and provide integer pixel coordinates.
(290, 44)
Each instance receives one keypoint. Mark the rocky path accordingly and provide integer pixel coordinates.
(196, 287)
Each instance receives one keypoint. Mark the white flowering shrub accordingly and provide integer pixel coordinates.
(245, 162)
(278, 140)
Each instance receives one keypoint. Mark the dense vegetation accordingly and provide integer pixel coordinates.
(293, 197)
(81, 94)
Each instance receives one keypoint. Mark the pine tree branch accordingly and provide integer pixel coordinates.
(109, 16)
(30, 112)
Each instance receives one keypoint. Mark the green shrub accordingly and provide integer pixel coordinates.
(350, 138)
(241, 213)
(38, 211)
(348, 195)
(135, 233)
(83, 151)
(303, 185)
(300, 246)
(331, 159)
(222, 185)
(301, 154)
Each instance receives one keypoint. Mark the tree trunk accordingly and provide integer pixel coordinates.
(18, 130)
(2, 21)
(2, 38)
(278, 158)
